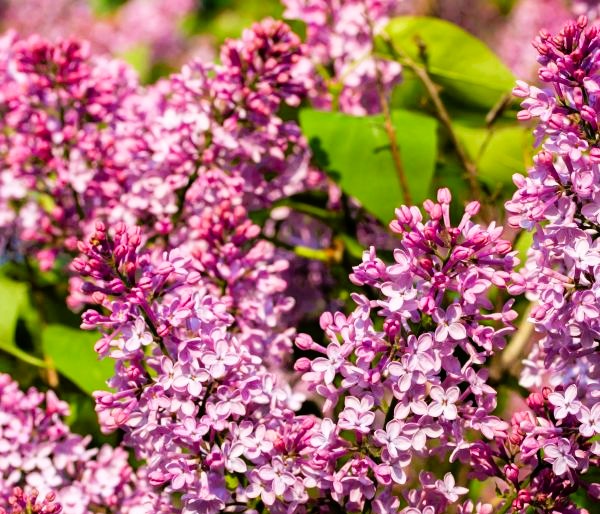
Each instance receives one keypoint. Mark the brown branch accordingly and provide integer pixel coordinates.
(388, 122)
(442, 115)
(391, 134)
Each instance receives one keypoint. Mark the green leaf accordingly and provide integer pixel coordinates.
(72, 353)
(105, 7)
(356, 152)
(14, 299)
(499, 152)
(15, 307)
(522, 244)
(139, 58)
(464, 66)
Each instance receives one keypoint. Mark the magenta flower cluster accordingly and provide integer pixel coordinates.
(340, 34)
(113, 33)
(414, 387)
(82, 141)
(192, 386)
(545, 456)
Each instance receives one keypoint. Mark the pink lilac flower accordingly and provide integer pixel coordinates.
(545, 456)
(559, 454)
(22, 502)
(566, 403)
(44, 466)
(99, 161)
(413, 387)
(195, 396)
(115, 33)
(449, 489)
(340, 36)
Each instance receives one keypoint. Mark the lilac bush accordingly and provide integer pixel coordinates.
(199, 231)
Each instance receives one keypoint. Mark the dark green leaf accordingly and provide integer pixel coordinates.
(72, 353)
(356, 152)
(464, 66)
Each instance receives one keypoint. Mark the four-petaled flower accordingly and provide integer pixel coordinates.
(449, 489)
(443, 403)
(560, 455)
(357, 414)
(565, 404)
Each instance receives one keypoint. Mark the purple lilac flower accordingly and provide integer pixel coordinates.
(44, 466)
(413, 388)
(546, 455)
(192, 392)
(83, 135)
(340, 35)
(558, 200)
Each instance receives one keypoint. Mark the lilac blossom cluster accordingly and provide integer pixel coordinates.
(60, 109)
(411, 384)
(43, 466)
(191, 389)
(21, 502)
(197, 401)
(544, 458)
(82, 141)
(560, 201)
(340, 36)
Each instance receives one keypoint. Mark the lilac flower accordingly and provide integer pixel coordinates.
(357, 414)
(590, 420)
(325, 436)
(449, 488)
(565, 404)
(558, 201)
(44, 466)
(340, 36)
(560, 455)
(420, 434)
(210, 397)
(20, 501)
(392, 439)
(329, 366)
(443, 403)
(401, 384)
(448, 324)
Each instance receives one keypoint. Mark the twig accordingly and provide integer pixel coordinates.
(441, 113)
(23, 356)
(391, 134)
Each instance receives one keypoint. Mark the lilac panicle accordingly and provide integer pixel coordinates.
(410, 383)
(340, 36)
(44, 466)
(559, 201)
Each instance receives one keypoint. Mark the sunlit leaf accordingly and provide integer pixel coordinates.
(355, 151)
(72, 353)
